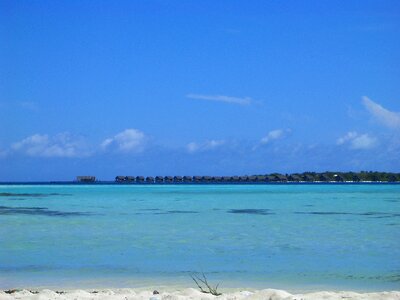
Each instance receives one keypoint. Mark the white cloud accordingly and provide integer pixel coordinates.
(60, 145)
(129, 140)
(357, 141)
(222, 98)
(207, 145)
(274, 135)
(386, 117)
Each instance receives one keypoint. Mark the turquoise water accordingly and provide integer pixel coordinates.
(280, 236)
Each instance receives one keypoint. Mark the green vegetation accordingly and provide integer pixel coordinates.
(363, 176)
(344, 176)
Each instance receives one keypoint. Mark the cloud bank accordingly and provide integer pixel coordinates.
(43, 145)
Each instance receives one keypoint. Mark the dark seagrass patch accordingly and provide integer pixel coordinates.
(39, 211)
(251, 211)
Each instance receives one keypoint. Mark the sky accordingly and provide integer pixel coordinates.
(150, 88)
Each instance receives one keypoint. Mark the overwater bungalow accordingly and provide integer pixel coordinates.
(243, 178)
(86, 178)
(130, 179)
(252, 179)
(168, 179)
(323, 177)
(159, 179)
(149, 179)
(120, 178)
(178, 179)
(261, 178)
(234, 179)
(308, 178)
(124, 179)
(338, 178)
(281, 178)
(139, 179)
(187, 179)
(206, 179)
(225, 179)
(197, 179)
(295, 178)
(217, 179)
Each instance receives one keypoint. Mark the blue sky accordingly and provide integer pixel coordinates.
(111, 88)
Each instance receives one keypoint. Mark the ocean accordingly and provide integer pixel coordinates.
(298, 237)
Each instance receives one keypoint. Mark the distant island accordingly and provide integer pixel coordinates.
(324, 177)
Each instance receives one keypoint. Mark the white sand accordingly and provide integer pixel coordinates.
(125, 294)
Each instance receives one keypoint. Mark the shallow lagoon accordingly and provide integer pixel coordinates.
(295, 237)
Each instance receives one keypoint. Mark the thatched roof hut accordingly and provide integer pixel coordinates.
(243, 178)
(323, 177)
(308, 178)
(187, 178)
(226, 178)
(261, 178)
(217, 179)
(252, 179)
(119, 178)
(159, 179)
(150, 179)
(124, 179)
(86, 178)
(129, 178)
(338, 178)
(280, 177)
(206, 179)
(178, 178)
(197, 179)
(294, 178)
(168, 179)
(234, 179)
(139, 179)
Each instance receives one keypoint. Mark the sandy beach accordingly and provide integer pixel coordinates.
(114, 294)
